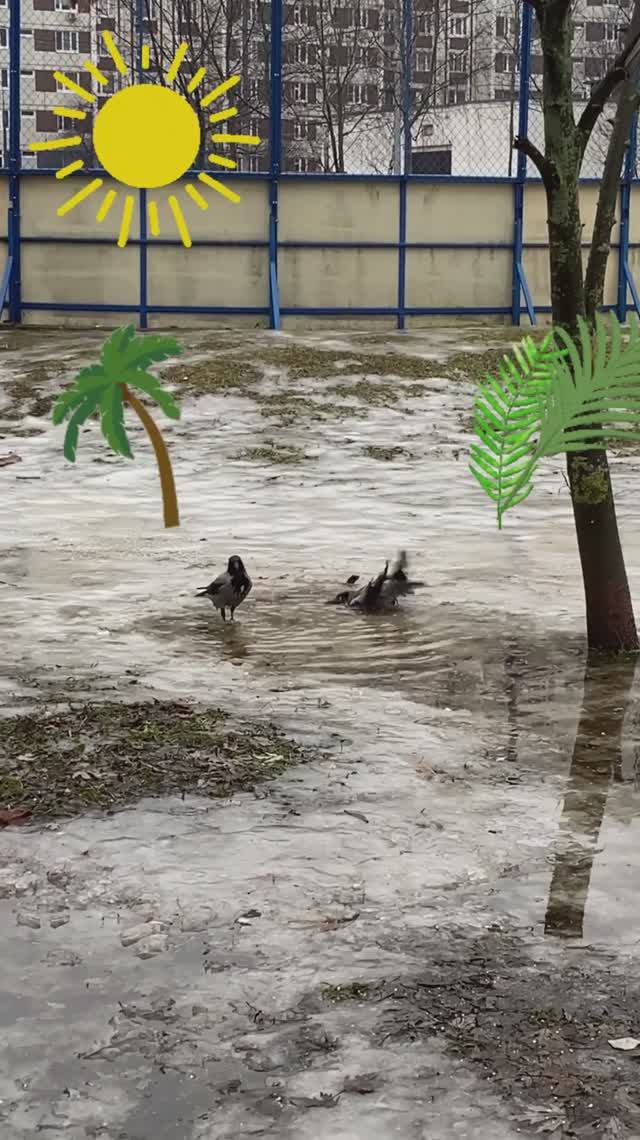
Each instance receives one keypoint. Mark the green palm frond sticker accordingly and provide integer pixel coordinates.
(552, 398)
(105, 388)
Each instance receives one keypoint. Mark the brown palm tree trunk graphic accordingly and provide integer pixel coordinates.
(595, 761)
(167, 483)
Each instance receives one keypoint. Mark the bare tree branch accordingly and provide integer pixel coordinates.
(546, 168)
(603, 91)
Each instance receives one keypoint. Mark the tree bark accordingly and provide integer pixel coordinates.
(167, 483)
(610, 621)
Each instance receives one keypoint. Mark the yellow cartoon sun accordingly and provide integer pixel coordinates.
(146, 136)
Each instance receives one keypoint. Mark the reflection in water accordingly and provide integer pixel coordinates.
(595, 763)
(514, 668)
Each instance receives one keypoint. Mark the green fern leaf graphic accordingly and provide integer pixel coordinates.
(508, 417)
(594, 396)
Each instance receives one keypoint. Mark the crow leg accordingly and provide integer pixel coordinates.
(223, 614)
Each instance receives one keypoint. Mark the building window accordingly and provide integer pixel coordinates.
(302, 53)
(457, 95)
(299, 131)
(300, 92)
(425, 24)
(459, 26)
(356, 93)
(458, 61)
(66, 41)
(73, 75)
(300, 165)
(367, 56)
(504, 63)
(66, 5)
(4, 37)
(297, 15)
(4, 79)
(422, 61)
(506, 27)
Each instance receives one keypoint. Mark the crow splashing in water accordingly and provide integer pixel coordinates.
(381, 593)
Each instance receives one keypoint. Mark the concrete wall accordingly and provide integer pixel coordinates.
(310, 211)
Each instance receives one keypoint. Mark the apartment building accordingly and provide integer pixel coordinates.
(476, 139)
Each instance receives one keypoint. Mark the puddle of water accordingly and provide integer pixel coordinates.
(489, 786)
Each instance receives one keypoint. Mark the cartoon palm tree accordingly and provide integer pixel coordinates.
(106, 387)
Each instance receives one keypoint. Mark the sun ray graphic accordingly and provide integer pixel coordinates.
(146, 136)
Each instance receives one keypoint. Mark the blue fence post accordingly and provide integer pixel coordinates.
(143, 317)
(406, 54)
(275, 157)
(518, 281)
(624, 271)
(13, 215)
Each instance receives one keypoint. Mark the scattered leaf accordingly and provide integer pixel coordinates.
(625, 1043)
(9, 816)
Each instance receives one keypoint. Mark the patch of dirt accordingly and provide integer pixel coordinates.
(224, 373)
(537, 1027)
(303, 362)
(354, 991)
(31, 394)
(294, 405)
(108, 754)
(272, 452)
(385, 454)
(379, 393)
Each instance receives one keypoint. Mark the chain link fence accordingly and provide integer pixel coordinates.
(368, 86)
(423, 86)
(98, 47)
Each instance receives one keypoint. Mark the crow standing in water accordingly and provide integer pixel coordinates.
(228, 590)
(382, 592)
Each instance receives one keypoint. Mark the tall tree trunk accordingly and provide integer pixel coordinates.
(610, 620)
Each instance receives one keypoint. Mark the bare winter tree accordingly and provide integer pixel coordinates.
(226, 37)
(443, 59)
(332, 72)
(610, 619)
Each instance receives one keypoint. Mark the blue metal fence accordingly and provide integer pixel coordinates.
(275, 174)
